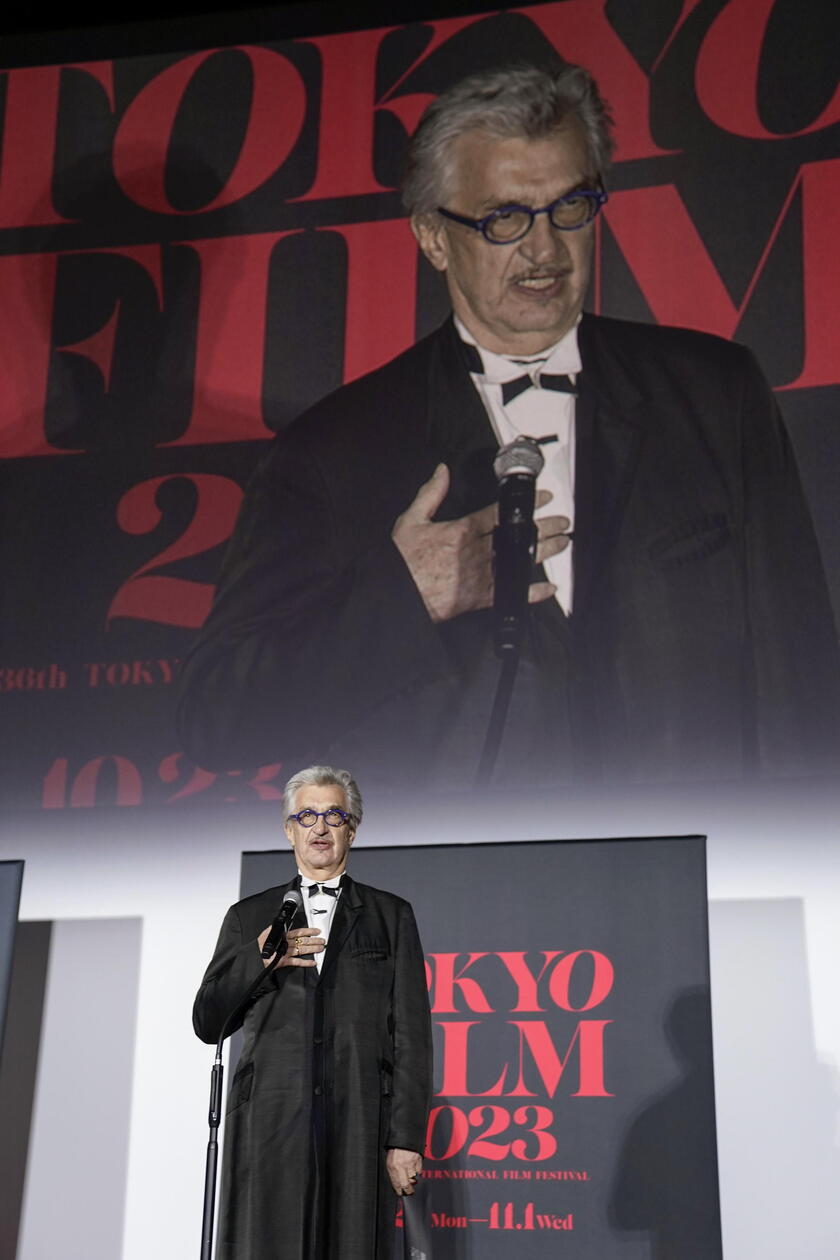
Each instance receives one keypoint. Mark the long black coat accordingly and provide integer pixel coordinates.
(334, 1070)
(701, 644)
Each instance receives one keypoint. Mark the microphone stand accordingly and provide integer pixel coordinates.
(514, 548)
(216, 1103)
(498, 717)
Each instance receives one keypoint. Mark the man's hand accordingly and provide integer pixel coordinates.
(303, 943)
(451, 562)
(404, 1167)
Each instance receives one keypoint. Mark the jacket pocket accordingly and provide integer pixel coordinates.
(370, 953)
(688, 541)
(240, 1088)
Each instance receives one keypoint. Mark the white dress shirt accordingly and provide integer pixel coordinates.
(538, 413)
(319, 909)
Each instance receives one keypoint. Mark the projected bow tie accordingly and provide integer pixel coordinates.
(512, 389)
(315, 889)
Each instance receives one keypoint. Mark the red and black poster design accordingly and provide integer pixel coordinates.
(574, 1098)
(197, 245)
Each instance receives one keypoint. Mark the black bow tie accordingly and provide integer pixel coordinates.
(512, 389)
(315, 889)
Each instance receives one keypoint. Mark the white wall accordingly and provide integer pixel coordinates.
(774, 885)
(78, 1147)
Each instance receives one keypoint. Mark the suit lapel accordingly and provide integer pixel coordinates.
(609, 428)
(459, 430)
(344, 920)
(299, 919)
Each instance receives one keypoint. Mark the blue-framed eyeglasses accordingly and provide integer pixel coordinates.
(332, 817)
(510, 223)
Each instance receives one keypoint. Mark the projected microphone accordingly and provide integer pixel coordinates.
(292, 902)
(517, 467)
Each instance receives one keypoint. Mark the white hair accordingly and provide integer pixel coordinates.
(524, 100)
(322, 776)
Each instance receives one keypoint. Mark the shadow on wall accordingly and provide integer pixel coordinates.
(662, 1187)
(776, 1106)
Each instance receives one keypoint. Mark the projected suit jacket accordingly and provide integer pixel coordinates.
(335, 1068)
(701, 644)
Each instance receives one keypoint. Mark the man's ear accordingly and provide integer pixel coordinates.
(290, 835)
(430, 234)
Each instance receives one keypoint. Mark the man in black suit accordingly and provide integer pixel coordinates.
(680, 627)
(327, 1111)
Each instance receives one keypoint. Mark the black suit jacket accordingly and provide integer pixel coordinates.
(335, 1068)
(701, 643)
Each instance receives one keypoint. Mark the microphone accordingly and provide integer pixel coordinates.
(292, 901)
(517, 466)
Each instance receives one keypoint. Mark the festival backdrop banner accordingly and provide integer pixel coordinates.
(574, 1097)
(195, 246)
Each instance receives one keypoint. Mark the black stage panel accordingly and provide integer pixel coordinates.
(574, 1095)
